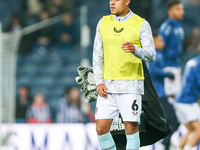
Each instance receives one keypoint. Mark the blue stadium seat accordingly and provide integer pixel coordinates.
(39, 89)
(67, 81)
(36, 59)
(56, 91)
(24, 80)
(70, 69)
(43, 81)
(50, 69)
(27, 68)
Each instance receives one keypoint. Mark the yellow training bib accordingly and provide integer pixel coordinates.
(119, 65)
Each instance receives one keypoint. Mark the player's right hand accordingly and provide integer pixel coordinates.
(101, 90)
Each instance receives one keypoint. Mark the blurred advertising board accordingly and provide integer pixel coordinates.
(64, 137)
(49, 137)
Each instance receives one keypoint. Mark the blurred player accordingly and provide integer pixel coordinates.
(173, 34)
(158, 74)
(187, 108)
(122, 41)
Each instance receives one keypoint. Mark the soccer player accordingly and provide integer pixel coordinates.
(158, 74)
(173, 34)
(122, 41)
(186, 106)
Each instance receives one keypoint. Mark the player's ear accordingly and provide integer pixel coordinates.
(169, 12)
(128, 2)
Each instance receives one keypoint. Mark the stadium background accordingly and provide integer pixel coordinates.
(44, 41)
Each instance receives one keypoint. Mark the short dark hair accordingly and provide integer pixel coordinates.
(68, 89)
(24, 86)
(171, 3)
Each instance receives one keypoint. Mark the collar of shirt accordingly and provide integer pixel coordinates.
(124, 18)
(175, 22)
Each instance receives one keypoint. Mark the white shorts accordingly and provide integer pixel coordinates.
(187, 112)
(129, 105)
(172, 86)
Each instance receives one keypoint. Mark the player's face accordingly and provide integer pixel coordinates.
(177, 11)
(119, 7)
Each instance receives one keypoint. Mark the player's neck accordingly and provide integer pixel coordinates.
(172, 17)
(124, 13)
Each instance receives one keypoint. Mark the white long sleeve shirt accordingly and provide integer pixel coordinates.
(146, 53)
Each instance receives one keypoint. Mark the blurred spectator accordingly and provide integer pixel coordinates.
(71, 110)
(191, 44)
(65, 42)
(15, 24)
(44, 15)
(195, 38)
(39, 111)
(56, 7)
(47, 31)
(30, 16)
(42, 43)
(22, 104)
(34, 7)
(67, 26)
(68, 110)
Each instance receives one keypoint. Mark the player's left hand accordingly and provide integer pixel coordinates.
(128, 47)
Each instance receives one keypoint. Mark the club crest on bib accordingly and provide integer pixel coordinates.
(118, 31)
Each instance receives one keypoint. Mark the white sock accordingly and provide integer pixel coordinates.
(187, 147)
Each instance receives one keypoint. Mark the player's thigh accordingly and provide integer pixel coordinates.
(189, 127)
(104, 122)
(195, 125)
(106, 107)
(130, 106)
